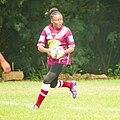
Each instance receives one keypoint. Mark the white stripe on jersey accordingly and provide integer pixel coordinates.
(41, 39)
(58, 36)
(71, 38)
(71, 45)
(40, 44)
(48, 32)
(61, 33)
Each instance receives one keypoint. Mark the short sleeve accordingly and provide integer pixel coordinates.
(70, 39)
(42, 38)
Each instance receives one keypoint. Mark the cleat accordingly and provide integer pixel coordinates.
(35, 107)
(73, 90)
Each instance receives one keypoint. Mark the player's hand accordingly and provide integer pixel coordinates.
(63, 53)
(48, 52)
(57, 52)
(6, 67)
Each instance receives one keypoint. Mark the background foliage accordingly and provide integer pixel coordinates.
(95, 25)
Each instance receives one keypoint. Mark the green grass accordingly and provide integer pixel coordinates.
(97, 100)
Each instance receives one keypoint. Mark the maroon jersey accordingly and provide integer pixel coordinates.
(62, 37)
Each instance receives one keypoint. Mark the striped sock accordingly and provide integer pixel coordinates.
(64, 84)
(43, 94)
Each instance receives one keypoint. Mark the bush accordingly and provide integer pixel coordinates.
(114, 71)
(1, 71)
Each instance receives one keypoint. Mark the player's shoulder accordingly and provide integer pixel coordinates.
(67, 28)
(46, 27)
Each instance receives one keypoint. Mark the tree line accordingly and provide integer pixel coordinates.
(95, 25)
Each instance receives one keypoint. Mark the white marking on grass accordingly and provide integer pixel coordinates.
(98, 108)
(9, 102)
(29, 105)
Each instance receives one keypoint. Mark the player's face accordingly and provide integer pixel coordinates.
(57, 21)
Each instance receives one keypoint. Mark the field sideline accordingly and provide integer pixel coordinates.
(97, 100)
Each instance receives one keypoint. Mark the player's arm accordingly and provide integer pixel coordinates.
(44, 50)
(70, 42)
(4, 64)
(69, 50)
(41, 43)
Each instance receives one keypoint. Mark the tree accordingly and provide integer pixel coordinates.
(95, 25)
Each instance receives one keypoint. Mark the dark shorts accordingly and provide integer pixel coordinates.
(53, 74)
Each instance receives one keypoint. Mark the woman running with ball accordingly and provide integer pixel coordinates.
(53, 35)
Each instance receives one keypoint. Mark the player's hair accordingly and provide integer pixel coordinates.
(54, 11)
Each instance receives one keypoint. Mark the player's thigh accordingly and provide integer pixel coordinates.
(53, 73)
(53, 84)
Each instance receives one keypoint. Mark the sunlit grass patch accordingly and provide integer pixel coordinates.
(97, 100)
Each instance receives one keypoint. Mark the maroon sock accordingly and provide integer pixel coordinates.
(41, 97)
(65, 84)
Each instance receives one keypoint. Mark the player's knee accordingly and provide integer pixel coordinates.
(50, 77)
(46, 81)
(53, 84)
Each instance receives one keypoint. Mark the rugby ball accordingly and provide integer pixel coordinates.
(57, 52)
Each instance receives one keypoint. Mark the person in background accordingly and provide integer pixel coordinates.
(4, 64)
(56, 33)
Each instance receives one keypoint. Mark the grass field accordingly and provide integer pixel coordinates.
(97, 100)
